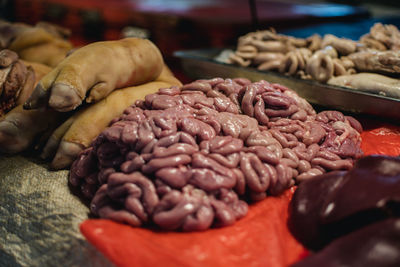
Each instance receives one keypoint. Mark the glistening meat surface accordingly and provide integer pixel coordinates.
(189, 158)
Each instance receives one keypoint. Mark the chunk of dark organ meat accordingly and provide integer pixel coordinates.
(305, 208)
(372, 192)
(332, 205)
(377, 61)
(375, 245)
(369, 82)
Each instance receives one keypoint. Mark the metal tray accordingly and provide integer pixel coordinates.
(200, 64)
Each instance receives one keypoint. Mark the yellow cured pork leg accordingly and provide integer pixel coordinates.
(37, 44)
(53, 143)
(30, 36)
(95, 118)
(167, 76)
(95, 71)
(19, 127)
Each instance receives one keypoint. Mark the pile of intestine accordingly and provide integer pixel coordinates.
(369, 64)
(192, 157)
(320, 58)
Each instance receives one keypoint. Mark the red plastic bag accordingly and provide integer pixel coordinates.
(261, 238)
(383, 139)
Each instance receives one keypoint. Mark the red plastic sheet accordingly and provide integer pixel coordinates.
(260, 239)
(383, 139)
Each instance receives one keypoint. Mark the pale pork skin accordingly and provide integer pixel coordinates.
(187, 158)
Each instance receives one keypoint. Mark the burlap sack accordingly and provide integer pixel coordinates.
(40, 217)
